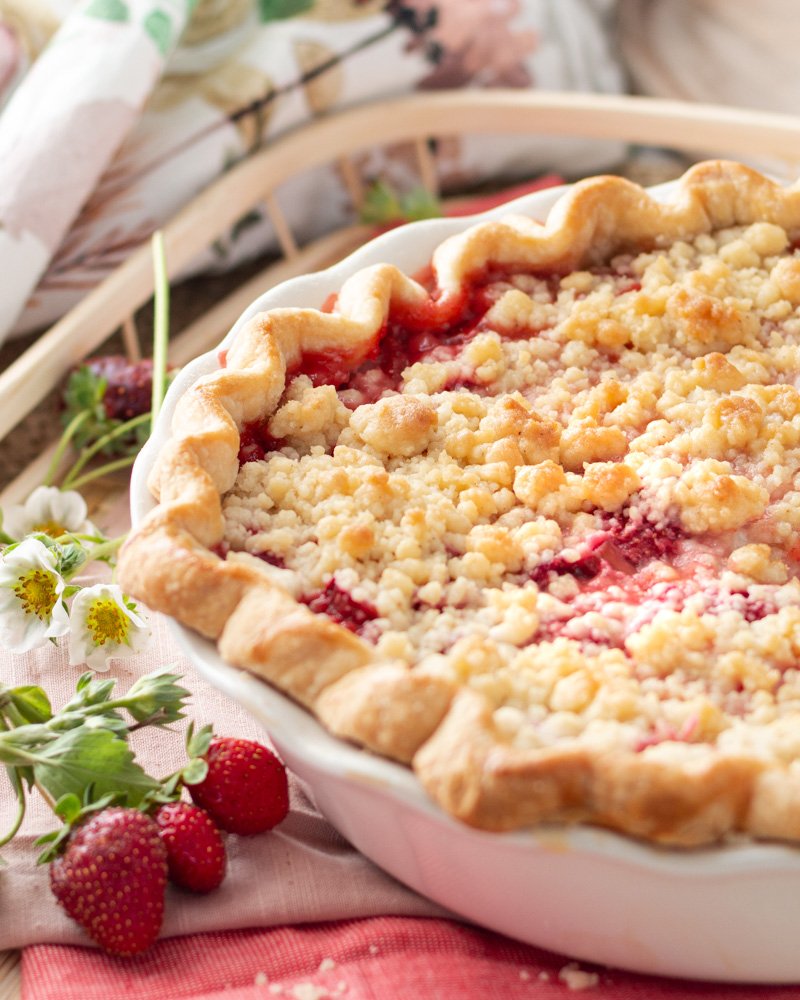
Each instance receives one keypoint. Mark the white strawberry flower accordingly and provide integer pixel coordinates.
(104, 624)
(50, 511)
(31, 605)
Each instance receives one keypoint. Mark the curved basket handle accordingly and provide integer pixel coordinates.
(332, 139)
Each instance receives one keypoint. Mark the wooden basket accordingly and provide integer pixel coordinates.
(334, 140)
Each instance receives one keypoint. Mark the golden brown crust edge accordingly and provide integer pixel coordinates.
(168, 562)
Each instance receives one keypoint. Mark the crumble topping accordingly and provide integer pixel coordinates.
(582, 501)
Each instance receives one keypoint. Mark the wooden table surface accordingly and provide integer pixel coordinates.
(9, 975)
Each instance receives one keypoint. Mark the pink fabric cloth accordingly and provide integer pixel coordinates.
(301, 871)
(378, 958)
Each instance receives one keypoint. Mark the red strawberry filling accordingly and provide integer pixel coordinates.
(272, 559)
(663, 732)
(640, 541)
(255, 442)
(626, 545)
(434, 331)
(341, 607)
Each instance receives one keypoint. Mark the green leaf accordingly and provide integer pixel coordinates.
(195, 771)
(53, 840)
(380, 204)
(82, 757)
(383, 205)
(71, 556)
(156, 698)
(159, 27)
(84, 681)
(108, 10)
(68, 807)
(90, 691)
(31, 702)
(197, 743)
(420, 204)
(278, 10)
(84, 393)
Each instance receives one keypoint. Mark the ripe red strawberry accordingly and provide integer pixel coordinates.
(129, 384)
(195, 851)
(112, 877)
(245, 790)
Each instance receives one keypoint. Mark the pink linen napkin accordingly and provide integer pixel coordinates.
(301, 871)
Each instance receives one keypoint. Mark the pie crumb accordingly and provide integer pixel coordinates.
(326, 965)
(577, 978)
(309, 991)
(260, 979)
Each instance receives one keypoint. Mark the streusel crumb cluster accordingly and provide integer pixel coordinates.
(585, 507)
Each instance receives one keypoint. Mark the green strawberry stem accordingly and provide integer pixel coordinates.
(87, 454)
(22, 802)
(19, 791)
(160, 323)
(103, 470)
(63, 443)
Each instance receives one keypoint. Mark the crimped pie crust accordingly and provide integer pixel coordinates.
(599, 621)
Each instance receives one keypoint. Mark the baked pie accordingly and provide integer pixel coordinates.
(529, 521)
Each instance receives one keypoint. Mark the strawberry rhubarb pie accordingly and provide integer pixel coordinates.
(528, 522)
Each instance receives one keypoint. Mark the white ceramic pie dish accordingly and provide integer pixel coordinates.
(727, 913)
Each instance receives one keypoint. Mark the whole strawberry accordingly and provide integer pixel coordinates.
(245, 790)
(112, 877)
(128, 384)
(101, 396)
(195, 851)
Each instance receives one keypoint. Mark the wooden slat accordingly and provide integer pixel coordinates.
(286, 239)
(130, 338)
(427, 165)
(10, 980)
(352, 181)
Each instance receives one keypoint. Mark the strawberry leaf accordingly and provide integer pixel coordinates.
(195, 771)
(380, 204)
(155, 699)
(84, 393)
(68, 807)
(197, 743)
(84, 757)
(420, 204)
(31, 702)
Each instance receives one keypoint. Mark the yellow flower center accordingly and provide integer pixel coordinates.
(107, 622)
(37, 593)
(51, 528)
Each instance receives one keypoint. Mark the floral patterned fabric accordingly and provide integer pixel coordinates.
(135, 106)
